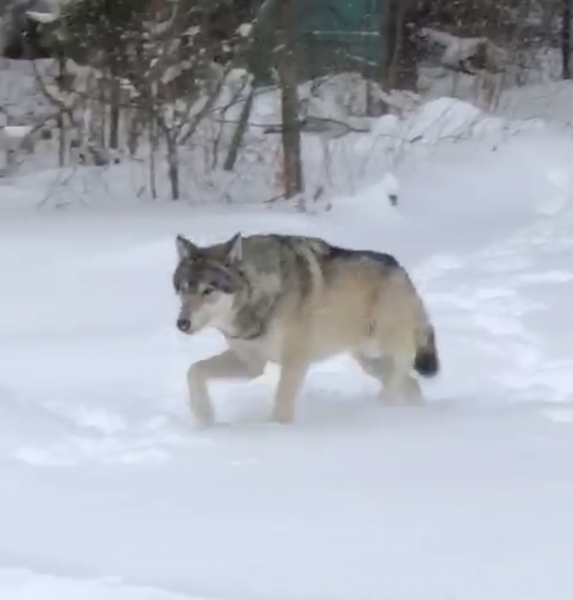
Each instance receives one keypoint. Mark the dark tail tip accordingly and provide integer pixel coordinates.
(426, 362)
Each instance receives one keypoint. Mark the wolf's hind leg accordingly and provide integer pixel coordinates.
(227, 365)
(378, 367)
(397, 383)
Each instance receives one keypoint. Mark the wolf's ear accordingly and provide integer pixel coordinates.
(234, 249)
(185, 248)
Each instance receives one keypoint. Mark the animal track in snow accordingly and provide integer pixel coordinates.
(499, 325)
(99, 436)
(558, 415)
(545, 277)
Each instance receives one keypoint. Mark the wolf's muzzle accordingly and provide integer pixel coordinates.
(183, 325)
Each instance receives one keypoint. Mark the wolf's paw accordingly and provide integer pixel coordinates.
(389, 398)
(282, 416)
(409, 392)
(203, 423)
(202, 415)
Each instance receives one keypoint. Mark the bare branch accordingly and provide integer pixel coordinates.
(58, 102)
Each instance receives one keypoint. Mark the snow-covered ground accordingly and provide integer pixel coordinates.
(107, 491)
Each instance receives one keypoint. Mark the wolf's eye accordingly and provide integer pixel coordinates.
(208, 291)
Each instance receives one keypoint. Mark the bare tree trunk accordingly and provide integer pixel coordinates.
(567, 16)
(61, 116)
(172, 164)
(101, 125)
(114, 112)
(62, 140)
(134, 130)
(401, 51)
(152, 156)
(239, 132)
(517, 37)
(288, 79)
(384, 28)
(393, 35)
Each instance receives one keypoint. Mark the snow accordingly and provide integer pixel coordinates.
(550, 102)
(15, 131)
(41, 17)
(22, 584)
(110, 491)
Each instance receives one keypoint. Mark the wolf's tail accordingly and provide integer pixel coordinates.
(427, 362)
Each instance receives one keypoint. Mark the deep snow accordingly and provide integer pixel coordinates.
(108, 490)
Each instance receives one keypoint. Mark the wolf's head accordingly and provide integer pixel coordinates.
(207, 280)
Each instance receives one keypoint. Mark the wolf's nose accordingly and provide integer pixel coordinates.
(184, 324)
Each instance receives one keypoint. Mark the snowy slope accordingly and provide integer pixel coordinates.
(108, 491)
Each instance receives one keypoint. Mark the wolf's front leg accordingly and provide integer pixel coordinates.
(293, 372)
(227, 365)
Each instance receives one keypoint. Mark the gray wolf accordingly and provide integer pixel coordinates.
(295, 301)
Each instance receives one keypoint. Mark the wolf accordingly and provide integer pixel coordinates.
(297, 300)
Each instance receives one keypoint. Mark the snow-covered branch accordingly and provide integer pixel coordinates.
(468, 55)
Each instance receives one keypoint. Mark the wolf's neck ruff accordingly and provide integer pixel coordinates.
(253, 312)
(255, 334)
(296, 267)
